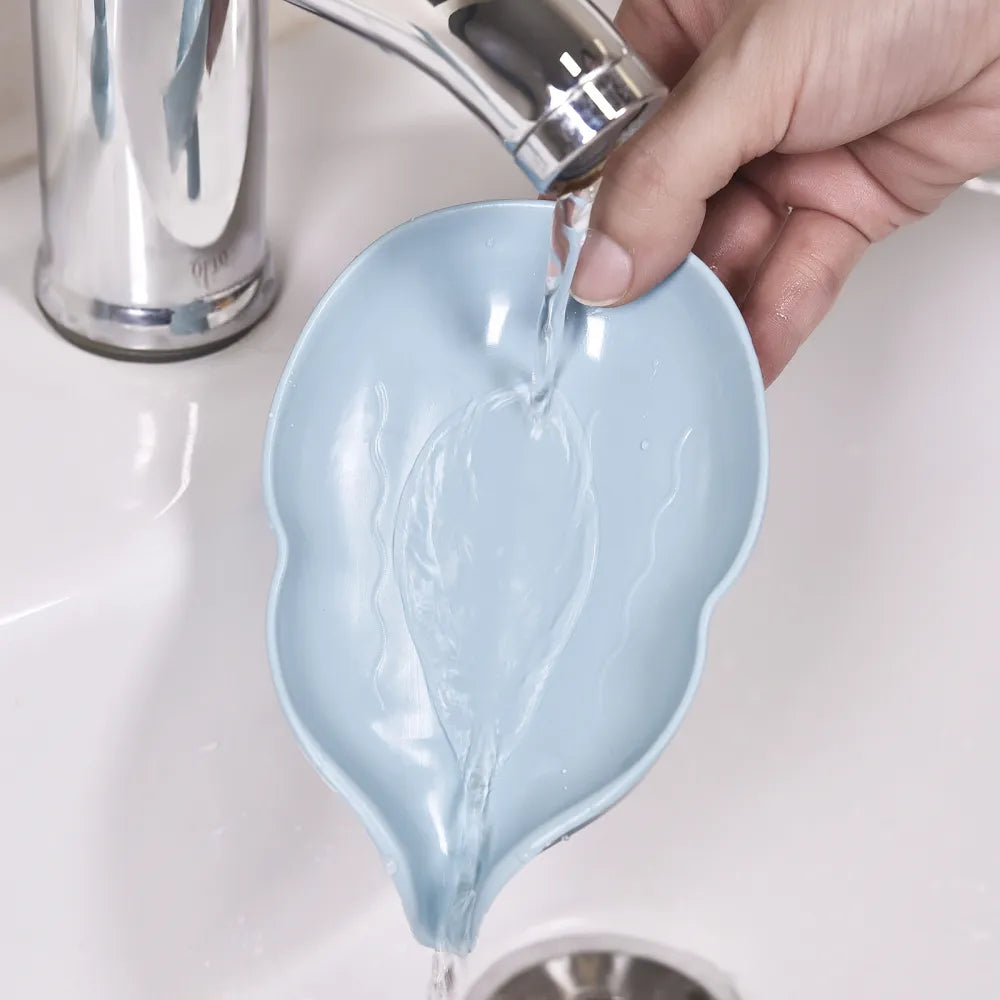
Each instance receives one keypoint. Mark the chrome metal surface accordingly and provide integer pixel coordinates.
(592, 968)
(552, 78)
(151, 141)
(151, 127)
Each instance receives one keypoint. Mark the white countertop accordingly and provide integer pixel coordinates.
(825, 826)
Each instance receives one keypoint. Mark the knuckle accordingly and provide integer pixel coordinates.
(815, 276)
(633, 196)
(637, 173)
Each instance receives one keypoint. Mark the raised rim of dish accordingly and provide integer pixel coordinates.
(612, 792)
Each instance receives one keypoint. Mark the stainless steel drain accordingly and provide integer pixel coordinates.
(587, 968)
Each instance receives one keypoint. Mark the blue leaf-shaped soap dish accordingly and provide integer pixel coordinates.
(440, 312)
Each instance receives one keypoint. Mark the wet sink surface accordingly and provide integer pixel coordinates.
(825, 824)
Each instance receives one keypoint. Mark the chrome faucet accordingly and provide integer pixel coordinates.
(552, 78)
(151, 149)
(152, 140)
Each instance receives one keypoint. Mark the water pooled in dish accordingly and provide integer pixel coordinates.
(494, 551)
(496, 538)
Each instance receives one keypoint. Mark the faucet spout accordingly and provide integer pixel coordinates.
(552, 79)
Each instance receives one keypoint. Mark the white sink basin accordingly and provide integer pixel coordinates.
(824, 826)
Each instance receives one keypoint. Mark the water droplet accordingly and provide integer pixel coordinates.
(564, 770)
(210, 747)
(491, 243)
(644, 446)
(391, 867)
(564, 839)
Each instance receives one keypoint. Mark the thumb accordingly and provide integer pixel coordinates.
(733, 105)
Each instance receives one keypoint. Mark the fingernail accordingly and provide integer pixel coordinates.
(604, 273)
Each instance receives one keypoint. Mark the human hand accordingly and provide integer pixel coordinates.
(798, 133)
